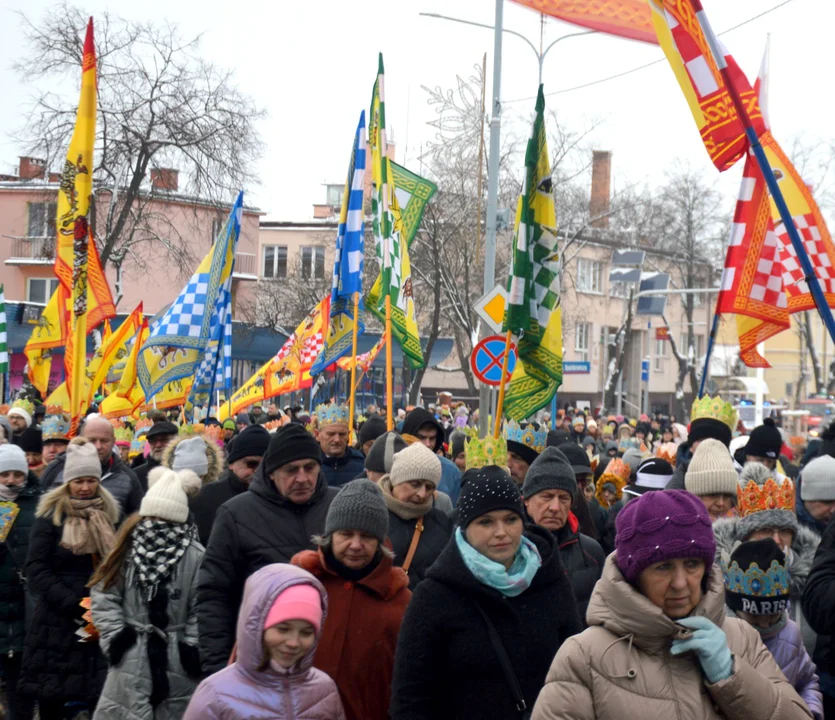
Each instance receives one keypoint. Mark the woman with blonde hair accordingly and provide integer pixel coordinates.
(72, 532)
(144, 605)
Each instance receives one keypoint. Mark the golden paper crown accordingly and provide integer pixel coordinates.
(664, 454)
(142, 424)
(528, 436)
(213, 432)
(123, 434)
(332, 414)
(188, 429)
(714, 409)
(754, 498)
(24, 404)
(481, 452)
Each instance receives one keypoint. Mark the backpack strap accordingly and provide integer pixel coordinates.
(407, 563)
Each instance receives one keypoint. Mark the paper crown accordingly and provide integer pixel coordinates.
(189, 429)
(754, 498)
(756, 582)
(24, 404)
(142, 425)
(123, 435)
(666, 454)
(56, 425)
(332, 414)
(713, 409)
(481, 452)
(527, 436)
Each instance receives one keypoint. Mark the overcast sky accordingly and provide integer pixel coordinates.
(311, 66)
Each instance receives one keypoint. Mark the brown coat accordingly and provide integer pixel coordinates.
(621, 666)
(360, 634)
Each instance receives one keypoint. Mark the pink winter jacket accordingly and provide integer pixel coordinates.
(243, 691)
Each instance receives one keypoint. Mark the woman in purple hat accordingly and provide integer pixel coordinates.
(658, 643)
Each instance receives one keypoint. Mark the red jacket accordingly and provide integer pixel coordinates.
(359, 639)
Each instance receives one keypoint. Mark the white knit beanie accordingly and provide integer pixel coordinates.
(416, 462)
(168, 493)
(21, 413)
(711, 471)
(817, 481)
(190, 454)
(82, 460)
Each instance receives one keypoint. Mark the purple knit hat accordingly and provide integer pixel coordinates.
(662, 526)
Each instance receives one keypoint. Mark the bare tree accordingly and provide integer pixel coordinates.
(160, 104)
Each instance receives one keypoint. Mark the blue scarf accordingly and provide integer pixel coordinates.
(509, 583)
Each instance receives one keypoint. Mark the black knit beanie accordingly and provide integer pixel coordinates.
(291, 443)
(484, 490)
(382, 452)
(371, 429)
(577, 457)
(704, 428)
(765, 441)
(252, 441)
(523, 451)
(550, 471)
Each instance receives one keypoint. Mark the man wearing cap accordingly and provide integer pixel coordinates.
(244, 457)
(341, 463)
(371, 429)
(31, 442)
(228, 431)
(242, 421)
(158, 436)
(581, 465)
(423, 425)
(524, 443)
(20, 419)
(816, 494)
(653, 474)
(764, 444)
(285, 506)
(548, 491)
(55, 434)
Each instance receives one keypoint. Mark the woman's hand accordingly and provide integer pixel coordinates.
(710, 645)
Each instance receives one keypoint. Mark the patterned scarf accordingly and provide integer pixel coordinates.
(157, 547)
(509, 583)
(87, 529)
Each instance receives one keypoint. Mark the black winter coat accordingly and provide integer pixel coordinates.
(205, 505)
(445, 665)
(583, 559)
(819, 601)
(341, 470)
(254, 529)
(55, 665)
(142, 471)
(12, 562)
(437, 528)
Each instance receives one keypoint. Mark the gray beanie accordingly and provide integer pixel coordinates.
(382, 452)
(359, 505)
(13, 459)
(711, 471)
(550, 471)
(633, 457)
(82, 460)
(190, 454)
(817, 481)
(457, 443)
(753, 521)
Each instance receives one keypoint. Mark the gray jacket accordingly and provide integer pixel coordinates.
(128, 686)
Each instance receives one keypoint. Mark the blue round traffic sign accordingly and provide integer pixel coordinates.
(487, 358)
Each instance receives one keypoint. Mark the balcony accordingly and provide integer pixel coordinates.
(32, 251)
(245, 266)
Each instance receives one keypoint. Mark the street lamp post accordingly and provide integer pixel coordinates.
(495, 153)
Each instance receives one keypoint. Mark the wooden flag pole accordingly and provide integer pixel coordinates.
(353, 401)
(500, 402)
(389, 376)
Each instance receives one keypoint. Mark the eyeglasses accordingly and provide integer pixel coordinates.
(252, 464)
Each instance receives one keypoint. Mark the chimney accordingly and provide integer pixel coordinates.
(31, 168)
(165, 179)
(601, 182)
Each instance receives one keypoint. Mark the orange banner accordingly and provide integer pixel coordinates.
(625, 18)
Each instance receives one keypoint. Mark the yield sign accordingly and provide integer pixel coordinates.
(487, 358)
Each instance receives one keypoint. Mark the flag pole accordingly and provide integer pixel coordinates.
(500, 402)
(352, 403)
(762, 160)
(711, 339)
(389, 378)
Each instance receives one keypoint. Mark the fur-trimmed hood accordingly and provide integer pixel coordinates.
(213, 453)
(56, 503)
(728, 535)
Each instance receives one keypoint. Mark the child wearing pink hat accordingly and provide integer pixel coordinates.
(279, 625)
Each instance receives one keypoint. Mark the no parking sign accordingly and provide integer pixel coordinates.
(487, 357)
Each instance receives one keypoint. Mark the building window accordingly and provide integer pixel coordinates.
(589, 273)
(660, 355)
(582, 333)
(697, 345)
(335, 193)
(39, 290)
(619, 289)
(313, 262)
(275, 261)
(42, 219)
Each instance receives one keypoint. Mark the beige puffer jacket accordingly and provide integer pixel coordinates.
(621, 666)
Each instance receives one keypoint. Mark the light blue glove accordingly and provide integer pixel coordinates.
(710, 645)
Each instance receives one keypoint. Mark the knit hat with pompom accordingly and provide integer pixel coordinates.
(168, 494)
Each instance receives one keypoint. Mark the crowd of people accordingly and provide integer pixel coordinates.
(283, 565)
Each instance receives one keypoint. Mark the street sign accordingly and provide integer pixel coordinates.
(644, 370)
(490, 308)
(662, 333)
(575, 367)
(652, 304)
(487, 358)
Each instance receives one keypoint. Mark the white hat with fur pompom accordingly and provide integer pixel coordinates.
(168, 494)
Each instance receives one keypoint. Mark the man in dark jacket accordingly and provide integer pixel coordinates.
(116, 476)
(701, 428)
(816, 494)
(158, 437)
(245, 455)
(341, 463)
(423, 425)
(286, 505)
(549, 491)
(581, 465)
(819, 611)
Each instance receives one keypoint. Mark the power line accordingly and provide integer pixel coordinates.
(649, 64)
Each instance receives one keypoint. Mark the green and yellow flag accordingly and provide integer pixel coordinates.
(533, 311)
